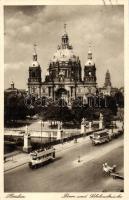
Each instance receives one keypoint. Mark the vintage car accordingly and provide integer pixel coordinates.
(100, 137)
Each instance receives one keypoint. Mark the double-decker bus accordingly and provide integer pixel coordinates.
(40, 157)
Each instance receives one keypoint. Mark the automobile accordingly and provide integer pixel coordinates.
(115, 133)
(100, 137)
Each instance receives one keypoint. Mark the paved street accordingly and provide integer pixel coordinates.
(65, 174)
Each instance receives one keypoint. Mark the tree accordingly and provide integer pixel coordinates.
(14, 107)
(77, 109)
(119, 99)
(58, 111)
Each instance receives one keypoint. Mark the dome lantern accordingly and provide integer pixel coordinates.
(35, 58)
(35, 53)
(90, 61)
(65, 39)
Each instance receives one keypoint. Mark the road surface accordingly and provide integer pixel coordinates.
(65, 174)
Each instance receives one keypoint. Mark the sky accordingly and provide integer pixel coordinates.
(102, 26)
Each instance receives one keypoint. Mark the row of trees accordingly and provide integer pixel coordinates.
(18, 107)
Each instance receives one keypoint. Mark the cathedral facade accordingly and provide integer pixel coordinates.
(64, 74)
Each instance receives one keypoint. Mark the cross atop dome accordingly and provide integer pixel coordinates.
(35, 45)
(89, 47)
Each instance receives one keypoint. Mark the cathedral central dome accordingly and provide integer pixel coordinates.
(64, 64)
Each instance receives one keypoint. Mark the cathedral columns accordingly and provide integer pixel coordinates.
(49, 91)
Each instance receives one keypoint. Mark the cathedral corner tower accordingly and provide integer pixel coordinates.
(34, 80)
(90, 72)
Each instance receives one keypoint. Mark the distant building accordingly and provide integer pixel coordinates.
(13, 90)
(107, 79)
(107, 89)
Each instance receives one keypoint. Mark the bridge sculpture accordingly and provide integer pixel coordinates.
(27, 141)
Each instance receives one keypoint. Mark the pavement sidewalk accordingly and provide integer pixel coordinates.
(21, 158)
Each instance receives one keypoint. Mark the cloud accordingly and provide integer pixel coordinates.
(13, 66)
(25, 25)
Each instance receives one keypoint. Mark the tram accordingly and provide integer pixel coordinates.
(41, 156)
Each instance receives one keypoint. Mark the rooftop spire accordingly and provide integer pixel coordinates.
(89, 51)
(65, 28)
(35, 45)
(65, 39)
(12, 85)
(89, 46)
(35, 53)
(107, 79)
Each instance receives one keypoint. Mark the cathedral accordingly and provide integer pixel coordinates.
(64, 74)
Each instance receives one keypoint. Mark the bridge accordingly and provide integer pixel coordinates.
(50, 135)
(17, 135)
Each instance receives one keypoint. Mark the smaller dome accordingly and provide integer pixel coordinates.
(89, 63)
(65, 35)
(35, 64)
